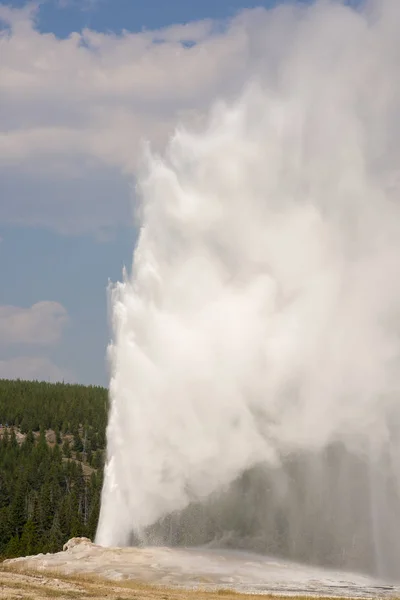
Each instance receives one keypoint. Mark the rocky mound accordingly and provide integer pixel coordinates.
(204, 568)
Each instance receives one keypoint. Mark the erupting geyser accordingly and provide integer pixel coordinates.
(255, 359)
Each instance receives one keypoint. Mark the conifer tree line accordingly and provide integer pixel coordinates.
(52, 441)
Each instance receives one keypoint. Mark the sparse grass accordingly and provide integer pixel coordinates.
(54, 593)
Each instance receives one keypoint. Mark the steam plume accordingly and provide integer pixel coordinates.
(255, 354)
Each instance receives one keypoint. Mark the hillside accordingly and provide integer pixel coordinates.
(52, 441)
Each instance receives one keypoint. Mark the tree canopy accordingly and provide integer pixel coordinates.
(52, 440)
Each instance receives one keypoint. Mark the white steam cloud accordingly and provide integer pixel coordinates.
(261, 317)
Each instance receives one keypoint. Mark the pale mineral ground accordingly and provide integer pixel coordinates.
(200, 569)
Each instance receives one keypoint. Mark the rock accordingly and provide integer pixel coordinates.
(76, 541)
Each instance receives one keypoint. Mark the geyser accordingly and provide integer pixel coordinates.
(255, 356)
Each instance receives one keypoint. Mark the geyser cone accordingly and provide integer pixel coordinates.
(255, 356)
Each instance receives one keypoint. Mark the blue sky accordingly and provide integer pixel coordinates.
(82, 84)
(62, 17)
(67, 176)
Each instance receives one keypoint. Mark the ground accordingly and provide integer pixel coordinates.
(86, 570)
(30, 585)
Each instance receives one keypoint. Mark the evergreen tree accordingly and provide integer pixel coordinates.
(98, 460)
(57, 434)
(66, 448)
(17, 512)
(13, 439)
(78, 444)
(5, 528)
(29, 441)
(93, 518)
(38, 520)
(56, 540)
(13, 548)
(27, 545)
(5, 440)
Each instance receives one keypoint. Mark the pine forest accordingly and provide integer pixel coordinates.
(52, 447)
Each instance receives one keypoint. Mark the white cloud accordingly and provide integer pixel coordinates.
(78, 109)
(81, 107)
(41, 324)
(38, 326)
(31, 368)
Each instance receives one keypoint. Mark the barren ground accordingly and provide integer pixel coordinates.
(18, 584)
(85, 570)
(31, 585)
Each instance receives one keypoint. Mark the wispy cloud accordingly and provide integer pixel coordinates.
(33, 367)
(41, 324)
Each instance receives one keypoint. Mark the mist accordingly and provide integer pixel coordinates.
(255, 359)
